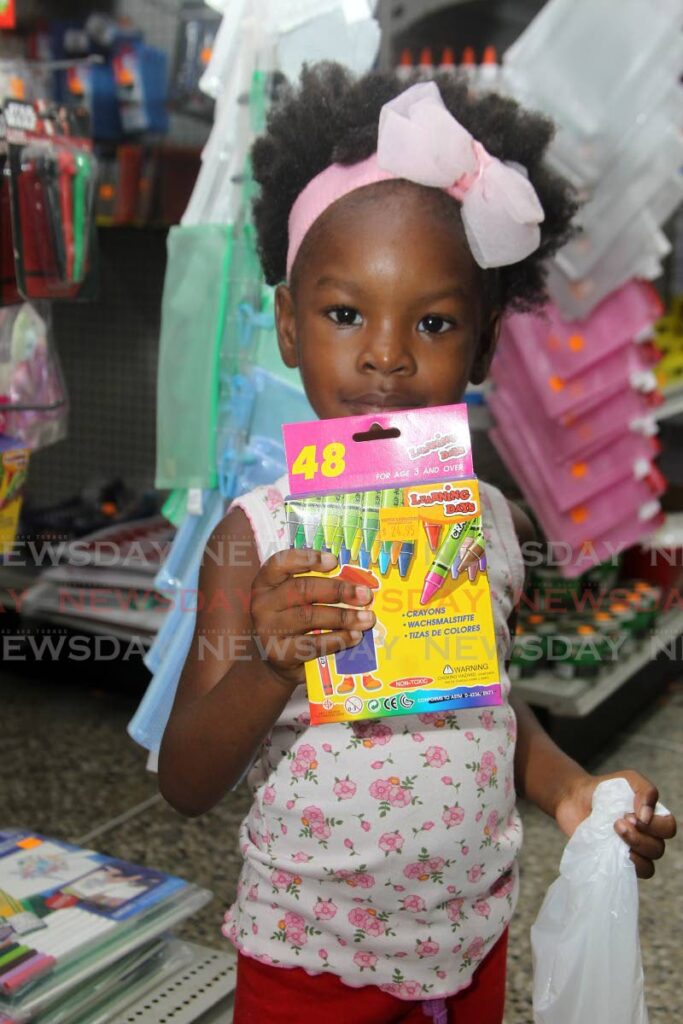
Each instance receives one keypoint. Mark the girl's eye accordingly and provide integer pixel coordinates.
(433, 324)
(345, 316)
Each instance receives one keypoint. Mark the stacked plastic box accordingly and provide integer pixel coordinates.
(609, 75)
(573, 403)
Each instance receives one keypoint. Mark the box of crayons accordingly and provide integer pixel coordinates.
(394, 497)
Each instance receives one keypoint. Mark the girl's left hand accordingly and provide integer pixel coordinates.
(643, 831)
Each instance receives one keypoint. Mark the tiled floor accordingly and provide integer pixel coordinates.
(70, 770)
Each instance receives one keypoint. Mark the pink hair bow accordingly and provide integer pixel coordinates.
(421, 141)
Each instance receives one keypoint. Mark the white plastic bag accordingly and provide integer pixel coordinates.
(585, 945)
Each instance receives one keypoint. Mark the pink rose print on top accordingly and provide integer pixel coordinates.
(304, 763)
(474, 952)
(475, 873)
(370, 734)
(344, 789)
(360, 879)
(492, 830)
(503, 886)
(482, 908)
(415, 904)
(435, 757)
(402, 988)
(285, 881)
(369, 922)
(487, 720)
(452, 816)
(269, 795)
(273, 499)
(427, 948)
(293, 929)
(455, 913)
(390, 842)
(393, 792)
(366, 961)
(485, 772)
(325, 910)
(426, 868)
(316, 825)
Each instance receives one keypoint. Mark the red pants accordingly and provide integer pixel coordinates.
(277, 995)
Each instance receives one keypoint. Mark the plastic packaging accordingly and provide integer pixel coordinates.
(585, 945)
(192, 324)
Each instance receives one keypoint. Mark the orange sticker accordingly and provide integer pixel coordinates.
(579, 514)
(30, 843)
(576, 342)
(579, 470)
(556, 383)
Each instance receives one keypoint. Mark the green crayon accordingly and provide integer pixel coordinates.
(372, 501)
(353, 511)
(391, 498)
(333, 509)
(444, 558)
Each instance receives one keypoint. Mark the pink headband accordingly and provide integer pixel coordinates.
(420, 141)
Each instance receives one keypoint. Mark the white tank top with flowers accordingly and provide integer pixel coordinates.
(384, 851)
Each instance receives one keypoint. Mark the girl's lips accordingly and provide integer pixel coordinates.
(381, 402)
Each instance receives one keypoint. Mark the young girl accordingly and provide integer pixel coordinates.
(380, 856)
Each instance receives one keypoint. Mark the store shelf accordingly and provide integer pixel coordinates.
(577, 698)
(199, 994)
(671, 406)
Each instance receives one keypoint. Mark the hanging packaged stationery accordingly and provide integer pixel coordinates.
(393, 497)
(52, 191)
(197, 28)
(9, 293)
(33, 399)
(13, 469)
(141, 72)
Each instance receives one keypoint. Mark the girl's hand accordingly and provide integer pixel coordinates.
(643, 831)
(287, 611)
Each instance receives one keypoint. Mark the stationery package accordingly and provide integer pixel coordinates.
(68, 913)
(13, 472)
(52, 177)
(394, 497)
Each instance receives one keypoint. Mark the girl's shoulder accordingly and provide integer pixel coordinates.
(264, 508)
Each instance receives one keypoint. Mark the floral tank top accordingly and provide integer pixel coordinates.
(384, 851)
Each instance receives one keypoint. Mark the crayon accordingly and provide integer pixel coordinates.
(294, 526)
(325, 677)
(351, 522)
(364, 557)
(396, 546)
(405, 557)
(374, 553)
(344, 555)
(332, 522)
(391, 498)
(311, 514)
(433, 531)
(384, 561)
(444, 558)
(372, 501)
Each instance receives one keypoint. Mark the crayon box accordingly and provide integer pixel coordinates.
(394, 497)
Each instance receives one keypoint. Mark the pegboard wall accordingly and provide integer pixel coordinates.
(108, 350)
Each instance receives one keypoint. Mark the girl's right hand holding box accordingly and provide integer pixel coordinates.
(288, 612)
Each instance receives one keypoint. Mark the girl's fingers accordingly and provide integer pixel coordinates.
(644, 868)
(279, 567)
(641, 843)
(305, 618)
(294, 651)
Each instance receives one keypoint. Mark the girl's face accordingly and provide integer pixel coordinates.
(386, 310)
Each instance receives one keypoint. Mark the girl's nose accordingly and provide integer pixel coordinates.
(387, 352)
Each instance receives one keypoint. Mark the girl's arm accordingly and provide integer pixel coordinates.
(246, 658)
(553, 781)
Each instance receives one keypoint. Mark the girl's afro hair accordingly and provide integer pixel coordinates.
(332, 117)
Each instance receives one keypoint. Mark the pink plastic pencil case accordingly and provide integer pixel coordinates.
(629, 366)
(574, 346)
(578, 480)
(587, 551)
(581, 437)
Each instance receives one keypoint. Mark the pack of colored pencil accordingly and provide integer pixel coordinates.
(394, 498)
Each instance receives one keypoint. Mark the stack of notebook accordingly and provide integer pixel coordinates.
(78, 927)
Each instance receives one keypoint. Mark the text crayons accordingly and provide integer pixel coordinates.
(444, 559)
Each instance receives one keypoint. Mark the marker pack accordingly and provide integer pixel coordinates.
(393, 495)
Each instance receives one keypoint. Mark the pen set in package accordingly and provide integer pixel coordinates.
(52, 181)
(394, 498)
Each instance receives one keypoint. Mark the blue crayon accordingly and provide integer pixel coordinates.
(405, 557)
(364, 557)
(384, 561)
(344, 555)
